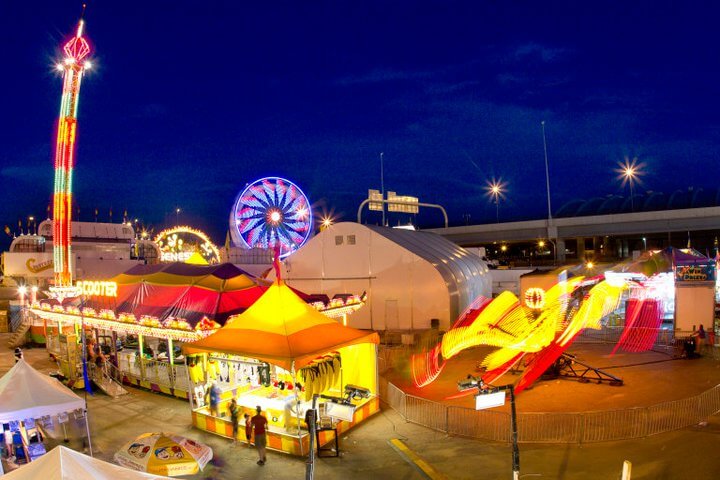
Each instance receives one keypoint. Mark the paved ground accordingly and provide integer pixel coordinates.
(649, 378)
(689, 453)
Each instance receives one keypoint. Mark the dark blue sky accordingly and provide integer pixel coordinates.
(192, 100)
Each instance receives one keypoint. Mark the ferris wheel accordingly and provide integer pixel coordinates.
(271, 212)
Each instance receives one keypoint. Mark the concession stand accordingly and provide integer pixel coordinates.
(278, 354)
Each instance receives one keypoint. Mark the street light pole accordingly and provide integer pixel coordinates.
(382, 186)
(547, 185)
(487, 389)
(547, 173)
(495, 190)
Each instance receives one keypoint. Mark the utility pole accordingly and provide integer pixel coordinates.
(547, 185)
(382, 186)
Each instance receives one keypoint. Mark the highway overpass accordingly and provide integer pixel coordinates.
(599, 236)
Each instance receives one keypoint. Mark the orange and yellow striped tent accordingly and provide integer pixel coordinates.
(282, 329)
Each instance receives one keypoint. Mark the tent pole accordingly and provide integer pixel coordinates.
(87, 428)
(297, 408)
(172, 362)
(191, 384)
(141, 356)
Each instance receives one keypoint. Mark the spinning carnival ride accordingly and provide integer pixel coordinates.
(540, 331)
(271, 213)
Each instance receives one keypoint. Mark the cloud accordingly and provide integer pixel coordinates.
(26, 172)
(152, 110)
(537, 51)
(384, 75)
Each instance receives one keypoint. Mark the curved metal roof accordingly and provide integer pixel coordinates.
(641, 202)
(466, 275)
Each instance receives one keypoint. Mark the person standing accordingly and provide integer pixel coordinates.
(259, 424)
(18, 354)
(700, 334)
(214, 399)
(248, 430)
(234, 412)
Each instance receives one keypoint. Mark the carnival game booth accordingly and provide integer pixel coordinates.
(34, 406)
(278, 354)
(138, 317)
(682, 281)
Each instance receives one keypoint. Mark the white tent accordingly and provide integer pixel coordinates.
(63, 463)
(27, 393)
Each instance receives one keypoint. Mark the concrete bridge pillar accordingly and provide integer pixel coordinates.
(597, 251)
(560, 249)
(580, 249)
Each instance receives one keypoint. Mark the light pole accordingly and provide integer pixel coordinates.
(382, 186)
(547, 173)
(489, 396)
(630, 171)
(495, 190)
(547, 185)
(177, 216)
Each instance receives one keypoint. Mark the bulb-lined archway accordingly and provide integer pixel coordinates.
(181, 243)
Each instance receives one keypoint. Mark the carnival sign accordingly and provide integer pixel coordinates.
(27, 264)
(97, 289)
(179, 244)
(39, 267)
(695, 273)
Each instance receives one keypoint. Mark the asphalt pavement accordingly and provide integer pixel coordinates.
(366, 452)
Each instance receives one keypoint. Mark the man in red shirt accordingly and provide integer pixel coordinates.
(259, 423)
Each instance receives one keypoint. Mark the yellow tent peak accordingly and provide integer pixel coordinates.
(196, 259)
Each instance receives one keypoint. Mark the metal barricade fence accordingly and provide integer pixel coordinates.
(613, 425)
(664, 337)
(480, 424)
(394, 397)
(669, 416)
(548, 427)
(426, 412)
(580, 427)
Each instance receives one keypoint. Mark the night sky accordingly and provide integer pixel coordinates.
(189, 101)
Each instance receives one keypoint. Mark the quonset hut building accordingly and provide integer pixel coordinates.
(414, 280)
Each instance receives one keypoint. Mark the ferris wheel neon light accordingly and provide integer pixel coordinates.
(271, 212)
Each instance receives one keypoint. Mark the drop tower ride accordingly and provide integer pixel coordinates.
(73, 66)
